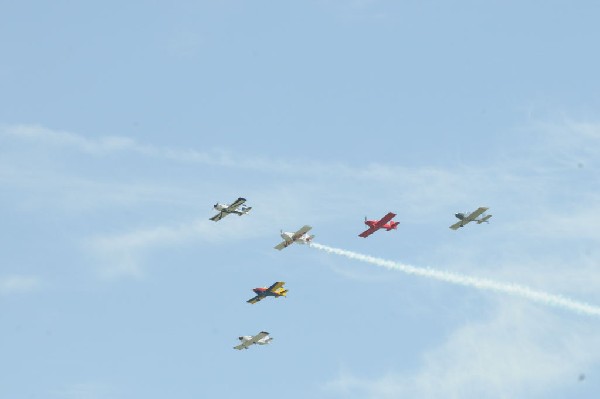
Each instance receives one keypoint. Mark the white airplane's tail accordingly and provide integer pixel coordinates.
(265, 341)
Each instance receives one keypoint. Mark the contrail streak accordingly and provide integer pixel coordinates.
(480, 283)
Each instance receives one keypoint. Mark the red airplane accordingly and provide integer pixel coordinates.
(382, 223)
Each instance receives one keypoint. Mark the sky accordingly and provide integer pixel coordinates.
(121, 125)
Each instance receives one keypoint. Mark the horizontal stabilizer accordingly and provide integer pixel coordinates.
(484, 219)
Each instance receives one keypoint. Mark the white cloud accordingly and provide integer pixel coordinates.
(18, 284)
(43, 135)
(123, 252)
(519, 352)
(114, 144)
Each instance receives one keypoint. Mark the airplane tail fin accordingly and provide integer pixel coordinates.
(393, 225)
(283, 293)
(245, 209)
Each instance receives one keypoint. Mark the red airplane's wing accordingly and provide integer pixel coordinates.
(368, 232)
(385, 219)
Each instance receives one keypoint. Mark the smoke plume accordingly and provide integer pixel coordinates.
(475, 282)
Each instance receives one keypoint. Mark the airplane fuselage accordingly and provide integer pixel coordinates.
(289, 238)
(263, 341)
(264, 291)
(388, 226)
(484, 217)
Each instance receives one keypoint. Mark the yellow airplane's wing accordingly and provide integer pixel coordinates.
(276, 286)
(255, 299)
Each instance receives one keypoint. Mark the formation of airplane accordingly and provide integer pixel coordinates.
(383, 223)
(302, 237)
(471, 217)
(299, 237)
(262, 338)
(275, 290)
(236, 207)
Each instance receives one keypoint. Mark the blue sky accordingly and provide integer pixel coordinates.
(121, 125)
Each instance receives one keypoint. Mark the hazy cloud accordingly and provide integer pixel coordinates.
(18, 284)
(519, 352)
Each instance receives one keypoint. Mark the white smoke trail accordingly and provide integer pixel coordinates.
(480, 283)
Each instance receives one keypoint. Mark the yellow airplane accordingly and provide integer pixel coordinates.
(275, 290)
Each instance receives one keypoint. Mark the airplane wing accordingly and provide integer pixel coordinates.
(368, 232)
(305, 229)
(386, 219)
(276, 286)
(241, 346)
(258, 337)
(475, 214)
(257, 298)
(281, 245)
(236, 204)
(456, 225)
(218, 216)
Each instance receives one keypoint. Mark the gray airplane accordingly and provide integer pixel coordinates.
(262, 338)
(471, 217)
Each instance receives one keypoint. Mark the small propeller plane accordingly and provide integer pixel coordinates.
(471, 217)
(275, 290)
(382, 223)
(300, 237)
(225, 210)
(262, 338)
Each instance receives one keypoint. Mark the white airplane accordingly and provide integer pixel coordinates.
(472, 217)
(299, 237)
(225, 210)
(262, 338)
